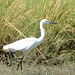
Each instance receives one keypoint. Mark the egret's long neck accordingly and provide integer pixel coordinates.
(41, 38)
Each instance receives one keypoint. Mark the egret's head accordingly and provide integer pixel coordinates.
(44, 21)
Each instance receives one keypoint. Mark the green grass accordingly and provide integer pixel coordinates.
(21, 18)
(68, 69)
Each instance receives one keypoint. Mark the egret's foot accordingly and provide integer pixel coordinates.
(19, 64)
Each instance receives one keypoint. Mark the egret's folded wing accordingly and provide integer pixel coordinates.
(24, 44)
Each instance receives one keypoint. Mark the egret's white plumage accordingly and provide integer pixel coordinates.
(23, 44)
(28, 43)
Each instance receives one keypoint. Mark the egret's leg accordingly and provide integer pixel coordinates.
(10, 56)
(20, 63)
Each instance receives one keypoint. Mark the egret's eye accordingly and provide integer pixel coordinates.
(46, 21)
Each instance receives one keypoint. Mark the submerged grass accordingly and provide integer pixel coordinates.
(20, 19)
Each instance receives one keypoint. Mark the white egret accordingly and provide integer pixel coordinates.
(27, 43)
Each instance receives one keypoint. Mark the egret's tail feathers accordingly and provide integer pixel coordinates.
(5, 48)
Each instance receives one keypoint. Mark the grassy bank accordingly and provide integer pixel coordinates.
(68, 69)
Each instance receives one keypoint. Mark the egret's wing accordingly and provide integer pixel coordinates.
(24, 44)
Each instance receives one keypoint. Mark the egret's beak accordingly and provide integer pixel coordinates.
(51, 22)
